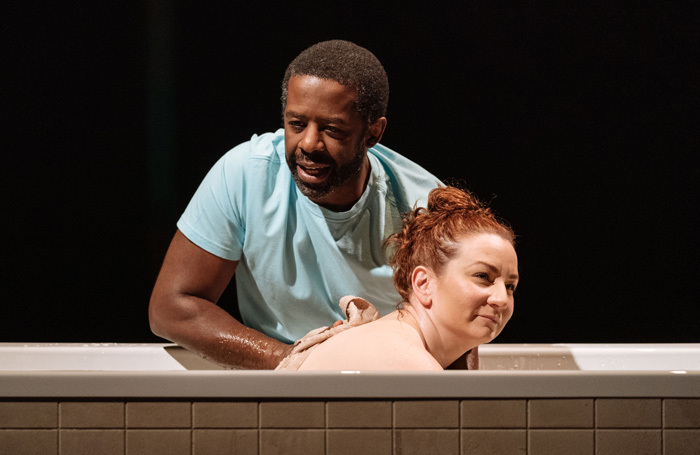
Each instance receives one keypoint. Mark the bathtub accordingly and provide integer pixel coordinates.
(531, 398)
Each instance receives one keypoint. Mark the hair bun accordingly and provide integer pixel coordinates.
(448, 199)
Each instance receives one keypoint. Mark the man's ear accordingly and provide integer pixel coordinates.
(375, 132)
(421, 279)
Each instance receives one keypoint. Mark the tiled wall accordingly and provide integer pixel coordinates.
(483, 427)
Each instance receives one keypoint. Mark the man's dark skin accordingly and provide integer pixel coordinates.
(320, 120)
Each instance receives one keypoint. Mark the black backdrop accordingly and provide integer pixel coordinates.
(578, 123)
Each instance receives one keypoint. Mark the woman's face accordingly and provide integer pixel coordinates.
(472, 299)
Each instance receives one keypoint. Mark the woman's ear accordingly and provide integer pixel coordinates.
(420, 281)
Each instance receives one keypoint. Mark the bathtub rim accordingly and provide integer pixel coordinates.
(348, 385)
(171, 357)
(232, 384)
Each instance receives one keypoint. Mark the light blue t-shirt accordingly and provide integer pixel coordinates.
(296, 258)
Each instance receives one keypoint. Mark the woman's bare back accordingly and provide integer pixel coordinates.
(390, 343)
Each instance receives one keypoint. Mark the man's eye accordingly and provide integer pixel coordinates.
(510, 287)
(333, 130)
(295, 124)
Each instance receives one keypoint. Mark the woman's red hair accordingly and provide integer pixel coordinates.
(430, 236)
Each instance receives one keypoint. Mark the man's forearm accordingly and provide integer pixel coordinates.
(212, 333)
(242, 348)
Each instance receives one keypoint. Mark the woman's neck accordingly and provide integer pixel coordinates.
(436, 341)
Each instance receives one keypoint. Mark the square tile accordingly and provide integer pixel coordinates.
(681, 413)
(91, 414)
(494, 413)
(426, 414)
(299, 414)
(225, 415)
(358, 414)
(421, 442)
(28, 442)
(681, 442)
(352, 442)
(292, 442)
(560, 413)
(628, 413)
(91, 442)
(31, 414)
(158, 414)
(637, 442)
(494, 442)
(158, 442)
(225, 442)
(558, 442)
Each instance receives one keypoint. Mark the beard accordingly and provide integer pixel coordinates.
(339, 173)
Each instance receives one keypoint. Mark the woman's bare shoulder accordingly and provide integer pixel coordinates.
(386, 344)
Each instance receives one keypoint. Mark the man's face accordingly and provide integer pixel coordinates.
(326, 142)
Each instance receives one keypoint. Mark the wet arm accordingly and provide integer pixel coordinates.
(183, 310)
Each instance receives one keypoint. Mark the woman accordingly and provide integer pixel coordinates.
(456, 270)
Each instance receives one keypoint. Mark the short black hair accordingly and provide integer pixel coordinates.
(349, 65)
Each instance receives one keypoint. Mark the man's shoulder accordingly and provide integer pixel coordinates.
(407, 182)
(268, 146)
(396, 163)
(262, 154)
(249, 167)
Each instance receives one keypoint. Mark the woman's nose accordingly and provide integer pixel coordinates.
(499, 295)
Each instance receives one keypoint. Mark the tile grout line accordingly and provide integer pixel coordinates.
(58, 429)
(527, 426)
(124, 424)
(259, 428)
(459, 425)
(393, 426)
(662, 425)
(595, 425)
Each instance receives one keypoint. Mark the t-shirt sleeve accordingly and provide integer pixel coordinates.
(212, 219)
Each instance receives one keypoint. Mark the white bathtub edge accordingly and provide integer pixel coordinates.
(370, 385)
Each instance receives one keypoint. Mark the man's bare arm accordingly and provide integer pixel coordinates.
(183, 310)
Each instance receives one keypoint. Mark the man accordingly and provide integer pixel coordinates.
(298, 236)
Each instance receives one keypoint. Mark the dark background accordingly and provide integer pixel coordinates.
(578, 123)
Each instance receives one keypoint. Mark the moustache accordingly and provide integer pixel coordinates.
(308, 159)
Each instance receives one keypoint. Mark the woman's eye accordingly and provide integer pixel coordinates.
(510, 287)
(483, 276)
